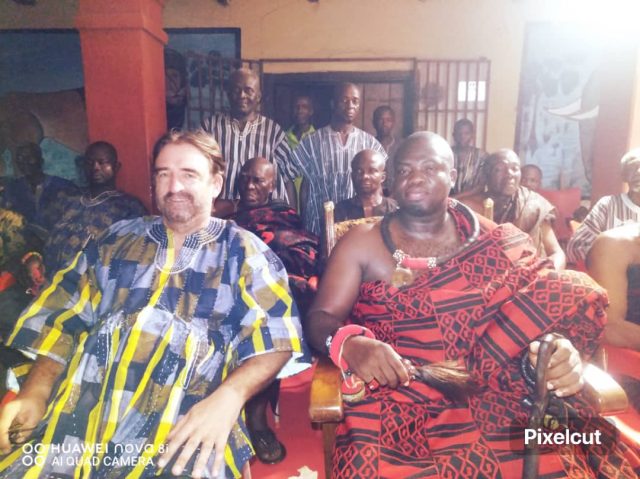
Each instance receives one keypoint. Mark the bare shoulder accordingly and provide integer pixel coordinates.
(625, 234)
(617, 245)
(360, 237)
(363, 247)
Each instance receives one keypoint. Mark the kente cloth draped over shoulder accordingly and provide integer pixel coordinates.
(280, 227)
(528, 210)
(85, 217)
(146, 335)
(484, 305)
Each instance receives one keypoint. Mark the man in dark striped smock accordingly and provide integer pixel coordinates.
(244, 134)
(610, 211)
(324, 158)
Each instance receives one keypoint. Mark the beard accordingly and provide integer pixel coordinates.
(181, 212)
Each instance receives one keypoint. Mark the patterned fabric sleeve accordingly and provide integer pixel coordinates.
(270, 321)
(302, 157)
(135, 208)
(282, 155)
(377, 146)
(591, 227)
(51, 324)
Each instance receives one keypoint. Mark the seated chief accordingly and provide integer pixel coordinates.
(433, 282)
(280, 227)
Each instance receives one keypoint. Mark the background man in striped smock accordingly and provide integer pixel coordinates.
(324, 158)
(244, 134)
(160, 329)
(610, 211)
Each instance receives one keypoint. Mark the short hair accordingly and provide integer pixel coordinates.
(531, 166)
(429, 137)
(112, 153)
(374, 153)
(463, 122)
(629, 156)
(490, 161)
(199, 139)
(377, 113)
(244, 71)
(340, 87)
(303, 94)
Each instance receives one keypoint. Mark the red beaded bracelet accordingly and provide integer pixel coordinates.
(340, 336)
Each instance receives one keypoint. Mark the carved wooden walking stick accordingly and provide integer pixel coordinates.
(541, 401)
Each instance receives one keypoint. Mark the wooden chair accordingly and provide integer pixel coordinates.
(566, 202)
(325, 407)
(334, 231)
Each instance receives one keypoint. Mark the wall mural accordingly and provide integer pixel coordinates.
(42, 90)
(42, 99)
(558, 104)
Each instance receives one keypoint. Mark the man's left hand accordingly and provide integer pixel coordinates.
(207, 425)
(564, 374)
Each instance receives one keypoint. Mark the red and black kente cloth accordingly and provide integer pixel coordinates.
(485, 305)
(280, 227)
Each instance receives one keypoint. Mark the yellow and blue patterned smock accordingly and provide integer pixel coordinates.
(146, 334)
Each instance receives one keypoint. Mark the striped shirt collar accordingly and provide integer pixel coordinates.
(248, 127)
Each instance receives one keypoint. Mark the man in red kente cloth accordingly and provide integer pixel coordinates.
(433, 282)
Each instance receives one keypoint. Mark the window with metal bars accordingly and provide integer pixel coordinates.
(443, 91)
(449, 90)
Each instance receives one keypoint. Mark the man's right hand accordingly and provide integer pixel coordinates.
(22, 414)
(372, 359)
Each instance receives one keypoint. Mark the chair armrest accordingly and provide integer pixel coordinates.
(325, 404)
(603, 392)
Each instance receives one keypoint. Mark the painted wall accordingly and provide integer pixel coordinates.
(385, 28)
(360, 28)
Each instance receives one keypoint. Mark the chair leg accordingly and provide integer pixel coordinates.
(328, 440)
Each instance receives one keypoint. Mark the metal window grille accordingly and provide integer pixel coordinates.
(448, 90)
(444, 91)
(207, 77)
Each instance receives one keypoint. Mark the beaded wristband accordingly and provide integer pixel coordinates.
(340, 336)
